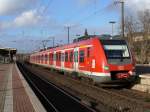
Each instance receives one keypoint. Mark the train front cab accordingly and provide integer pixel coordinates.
(120, 62)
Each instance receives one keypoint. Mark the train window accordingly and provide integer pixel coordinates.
(42, 57)
(71, 56)
(46, 57)
(81, 56)
(88, 52)
(66, 56)
(59, 56)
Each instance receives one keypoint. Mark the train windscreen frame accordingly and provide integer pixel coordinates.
(116, 51)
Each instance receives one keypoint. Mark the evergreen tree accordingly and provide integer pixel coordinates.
(86, 33)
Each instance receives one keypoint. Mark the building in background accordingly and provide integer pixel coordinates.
(7, 55)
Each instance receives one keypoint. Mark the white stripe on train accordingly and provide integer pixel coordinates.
(80, 71)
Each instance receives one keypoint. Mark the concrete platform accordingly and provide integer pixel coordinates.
(15, 93)
(144, 84)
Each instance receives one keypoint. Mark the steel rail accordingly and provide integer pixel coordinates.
(37, 89)
(54, 86)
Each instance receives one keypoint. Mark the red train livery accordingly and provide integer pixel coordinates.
(102, 60)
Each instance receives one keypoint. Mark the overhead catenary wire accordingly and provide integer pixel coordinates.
(41, 9)
(46, 7)
(79, 22)
(95, 13)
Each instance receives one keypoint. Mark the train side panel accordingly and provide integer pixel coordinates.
(88, 58)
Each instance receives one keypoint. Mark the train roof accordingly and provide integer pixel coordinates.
(83, 39)
(101, 37)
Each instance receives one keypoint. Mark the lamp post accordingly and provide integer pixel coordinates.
(68, 28)
(112, 22)
(68, 32)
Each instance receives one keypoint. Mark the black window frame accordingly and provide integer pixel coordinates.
(81, 56)
(59, 56)
(88, 51)
(66, 56)
(46, 57)
(71, 56)
(42, 58)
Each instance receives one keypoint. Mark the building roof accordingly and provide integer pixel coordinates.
(6, 51)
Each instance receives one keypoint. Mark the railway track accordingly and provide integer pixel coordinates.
(53, 98)
(103, 99)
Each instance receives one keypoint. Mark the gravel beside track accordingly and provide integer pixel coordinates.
(134, 94)
(101, 99)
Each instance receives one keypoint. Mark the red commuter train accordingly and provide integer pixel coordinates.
(102, 60)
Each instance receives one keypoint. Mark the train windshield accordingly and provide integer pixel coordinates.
(116, 51)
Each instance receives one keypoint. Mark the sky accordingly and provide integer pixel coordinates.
(25, 23)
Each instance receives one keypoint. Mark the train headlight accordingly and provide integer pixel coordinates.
(132, 72)
(106, 67)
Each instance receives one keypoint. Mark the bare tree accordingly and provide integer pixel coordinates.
(139, 27)
(144, 19)
(130, 30)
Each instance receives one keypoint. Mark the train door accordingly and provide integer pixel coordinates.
(88, 59)
(58, 59)
(54, 59)
(50, 58)
(82, 59)
(46, 58)
(42, 59)
(62, 59)
(66, 59)
(76, 52)
(71, 64)
(38, 59)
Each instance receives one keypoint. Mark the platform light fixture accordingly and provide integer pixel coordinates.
(112, 23)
